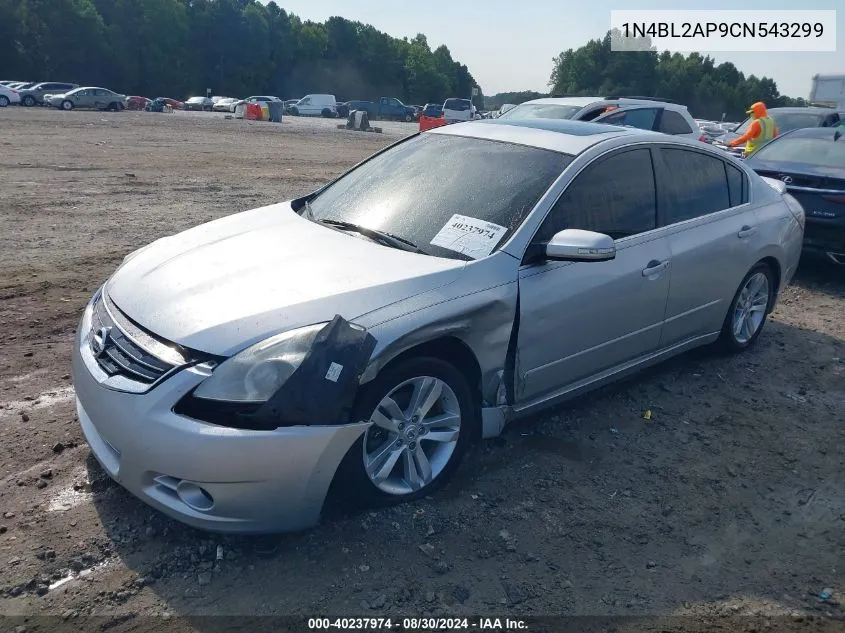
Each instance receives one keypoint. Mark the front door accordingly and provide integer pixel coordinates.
(578, 320)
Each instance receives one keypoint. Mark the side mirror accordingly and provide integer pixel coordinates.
(575, 245)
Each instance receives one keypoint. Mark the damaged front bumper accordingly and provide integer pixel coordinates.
(209, 476)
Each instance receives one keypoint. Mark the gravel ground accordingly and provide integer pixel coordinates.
(728, 501)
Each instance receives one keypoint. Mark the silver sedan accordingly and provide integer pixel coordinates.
(360, 338)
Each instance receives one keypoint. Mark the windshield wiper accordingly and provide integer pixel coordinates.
(387, 239)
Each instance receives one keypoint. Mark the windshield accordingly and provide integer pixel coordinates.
(824, 152)
(541, 111)
(786, 122)
(414, 189)
(196, 99)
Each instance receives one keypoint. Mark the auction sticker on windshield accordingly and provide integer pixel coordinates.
(469, 236)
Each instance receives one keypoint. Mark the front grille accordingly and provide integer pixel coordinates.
(117, 354)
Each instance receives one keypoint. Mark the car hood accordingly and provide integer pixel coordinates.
(221, 286)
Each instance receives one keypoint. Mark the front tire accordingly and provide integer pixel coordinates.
(67, 105)
(408, 118)
(748, 311)
(423, 418)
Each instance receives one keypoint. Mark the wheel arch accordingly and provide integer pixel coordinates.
(777, 272)
(450, 349)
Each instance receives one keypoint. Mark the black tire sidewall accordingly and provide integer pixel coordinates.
(356, 486)
(67, 102)
(727, 338)
(4, 101)
(28, 101)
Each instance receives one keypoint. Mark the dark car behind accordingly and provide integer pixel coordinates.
(811, 163)
(787, 119)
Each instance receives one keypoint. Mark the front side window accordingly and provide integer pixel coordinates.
(695, 184)
(615, 196)
(413, 189)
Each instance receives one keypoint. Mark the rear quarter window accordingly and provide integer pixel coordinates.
(674, 123)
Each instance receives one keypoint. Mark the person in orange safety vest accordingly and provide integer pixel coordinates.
(762, 129)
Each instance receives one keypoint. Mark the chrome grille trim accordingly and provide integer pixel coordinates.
(121, 355)
(160, 349)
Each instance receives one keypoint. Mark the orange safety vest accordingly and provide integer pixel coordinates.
(767, 133)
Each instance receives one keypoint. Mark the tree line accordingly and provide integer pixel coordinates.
(707, 89)
(178, 48)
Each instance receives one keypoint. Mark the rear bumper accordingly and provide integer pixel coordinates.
(825, 238)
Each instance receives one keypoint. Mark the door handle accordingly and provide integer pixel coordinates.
(746, 231)
(654, 267)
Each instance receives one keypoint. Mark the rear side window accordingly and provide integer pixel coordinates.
(674, 123)
(694, 185)
(461, 105)
(641, 118)
(615, 196)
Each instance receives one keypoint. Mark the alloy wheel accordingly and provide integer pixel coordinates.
(750, 309)
(414, 432)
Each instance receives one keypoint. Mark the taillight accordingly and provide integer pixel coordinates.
(703, 138)
(796, 209)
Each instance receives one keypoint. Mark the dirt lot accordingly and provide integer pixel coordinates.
(728, 501)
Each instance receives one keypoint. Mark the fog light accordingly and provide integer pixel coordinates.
(194, 496)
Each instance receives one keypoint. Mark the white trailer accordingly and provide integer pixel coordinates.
(828, 90)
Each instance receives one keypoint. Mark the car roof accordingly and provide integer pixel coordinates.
(583, 102)
(799, 110)
(559, 135)
(812, 132)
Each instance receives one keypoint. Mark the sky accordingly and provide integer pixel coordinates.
(509, 45)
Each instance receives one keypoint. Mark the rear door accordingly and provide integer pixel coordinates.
(712, 233)
(579, 319)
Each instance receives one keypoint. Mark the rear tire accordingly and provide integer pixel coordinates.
(4, 101)
(28, 101)
(67, 105)
(407, 472)
(408, 118)
(748, 310)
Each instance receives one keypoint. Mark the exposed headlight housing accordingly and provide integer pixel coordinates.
(256, 373)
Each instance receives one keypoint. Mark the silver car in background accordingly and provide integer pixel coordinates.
(359, 339)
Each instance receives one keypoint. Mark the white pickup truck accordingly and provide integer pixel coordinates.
(828, 90)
